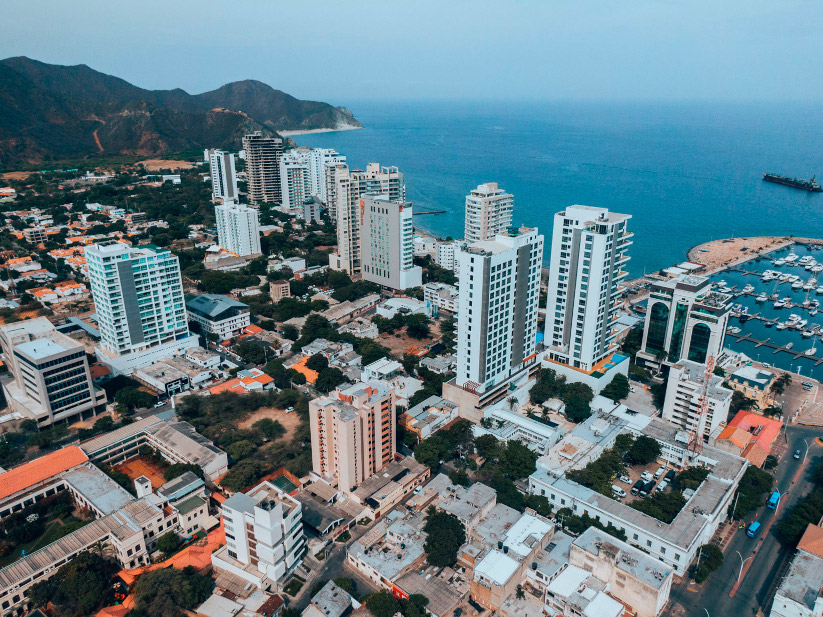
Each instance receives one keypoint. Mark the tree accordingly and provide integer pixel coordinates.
(486, 446)
(618, 388)
(271, 429)
(710, 559)
(168, 543)
(382, 604)
(77, 587)
(178, 469)
(167, 592)
(513, 402)
(240, 449)
(317, 362)
(103, 425)
(446, 534)
(643, 451)
(516, 460)
(328, 379)
(459, 476)
(290, 332)
(429, 451)
(133, 398)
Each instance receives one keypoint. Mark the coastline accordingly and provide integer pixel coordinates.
(313, 131)
(719, 255)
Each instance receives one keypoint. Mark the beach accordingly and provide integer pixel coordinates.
(315, 131)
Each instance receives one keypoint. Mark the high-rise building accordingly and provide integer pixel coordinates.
(264, 536)
(138, 298)
(295, 177)
(497, 315)
(685, 319)
(588, 256)
(263, 167)
(353, 433)
(386, 243)
(345, 202)
(319, 161)
(238, 228)
(51, 380)
(686, 384)
(223, 176)
(488, 212)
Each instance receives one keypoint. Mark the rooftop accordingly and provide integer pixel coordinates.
(812, 541)
(97, 488)
(804, 581)
(38, 470)
(213, 305)
(626, 558)
(331, 600)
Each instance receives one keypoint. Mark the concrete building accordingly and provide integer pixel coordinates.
(386, 243)
(295, 178)
(320, 160)
(686, 383)
(345, 189)
(223, 176)
(685, 320)
(279, 290)
(238, 228)
(138, 297)
(497, 318)
(642, 583)
(427, 417)
(488, 213)
(35, 235)
(312, 210)
(754, 384)
(441, 297)
(264, 536)
(330, 601)
(588, 256)
(353, 433)
(219, 315)
(800, 593)
(507, 425)
(263, 167)
(444, 253)
(50, 374)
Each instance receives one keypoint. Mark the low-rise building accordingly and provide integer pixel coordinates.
(754, 384)
(248, 380)
(219, 315)
(361, 328)
(507, 425)
(330, 601)
(381, 492)
(441, 365)
(749, 435)
(344, 312)
(382, 369)
(441, 297)
(428, 416)
(279, 290)
(402, 306)
(163, 377)
(800, 593)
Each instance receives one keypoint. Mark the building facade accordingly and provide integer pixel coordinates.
(386, 241)
(488, 212)
(685, 320)
(588, 256)
(279, 290)
(264, 536)
(263, 167)
(223, 176)
(686, 384)
(138, 297)
(353, 433)
(51, 379)
(295, 177)
(219, 315)
(498, 302)
(238, 228)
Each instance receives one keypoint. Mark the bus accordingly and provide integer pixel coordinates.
(773, 501)
(752, 530)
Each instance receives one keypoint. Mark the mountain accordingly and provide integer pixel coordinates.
(50, 112)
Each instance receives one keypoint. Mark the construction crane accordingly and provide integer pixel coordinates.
(695, 446)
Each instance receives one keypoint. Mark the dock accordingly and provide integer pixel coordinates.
(777, 348)
(418, 212)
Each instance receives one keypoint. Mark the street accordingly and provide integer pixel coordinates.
(769, 560)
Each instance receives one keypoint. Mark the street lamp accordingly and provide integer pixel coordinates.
(742, 561)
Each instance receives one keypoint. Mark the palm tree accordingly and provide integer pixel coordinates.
(513, 402)
(660, 358)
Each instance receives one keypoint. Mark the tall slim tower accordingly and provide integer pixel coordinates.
(223, 177)
(238, 228)
(263, 167)
(497, 315)
(588, 256)
(295, 177)
(488, 212)
(386, 243)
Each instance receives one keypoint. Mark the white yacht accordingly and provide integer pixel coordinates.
(733, 330)
(748, 289)
(811, 351)
(779, 262)
(797, 285)
(762, 297)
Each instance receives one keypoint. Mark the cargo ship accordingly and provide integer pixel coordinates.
(806, 185)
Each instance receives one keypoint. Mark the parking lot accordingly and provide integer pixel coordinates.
(634, 473)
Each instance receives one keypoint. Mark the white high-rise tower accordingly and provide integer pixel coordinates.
(488, 212)
(588, 256)
(238, 228)
(223, 177)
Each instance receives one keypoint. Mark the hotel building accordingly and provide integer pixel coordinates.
(223, 177)
(238, 229)
(263, 167)
(386, 241)
(686, 383)
(488, 212)
(353, 433)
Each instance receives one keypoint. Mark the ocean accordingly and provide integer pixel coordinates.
(687, 173)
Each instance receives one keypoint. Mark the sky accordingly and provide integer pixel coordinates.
(339, 51)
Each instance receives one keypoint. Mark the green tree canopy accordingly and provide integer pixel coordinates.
(446, 534)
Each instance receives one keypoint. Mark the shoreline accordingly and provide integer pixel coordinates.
(298, 132)
(718, 255)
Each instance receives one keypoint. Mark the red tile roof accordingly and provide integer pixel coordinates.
(38, 470)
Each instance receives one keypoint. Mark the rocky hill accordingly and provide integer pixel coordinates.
(50, 112)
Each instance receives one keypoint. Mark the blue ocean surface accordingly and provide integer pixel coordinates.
(688, 173)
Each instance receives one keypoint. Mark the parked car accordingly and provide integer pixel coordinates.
(647, 489)
(660, 471)
(289, 409)
(808, 384)
(670, 475)
(637, 486)
(618, 492)
(625, 479)
(797, 454)
(662, 486)
(647, 477)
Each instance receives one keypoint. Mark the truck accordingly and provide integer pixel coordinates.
(637, 486)
(752, 530)
(773, 500)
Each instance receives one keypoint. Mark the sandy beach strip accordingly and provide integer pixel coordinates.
(312, 131)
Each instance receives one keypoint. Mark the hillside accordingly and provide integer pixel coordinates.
(50, 112)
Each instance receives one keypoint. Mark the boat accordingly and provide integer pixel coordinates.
(748, 289)
(813, 311)
(807, 333)
(779, 262)
(768, 323)
(790, 345)
(795, 183)
(762, 297)
(779, 304)
(733, 330)
(797, 285)
(791, 258)
(811, 284)
(801, 324)
(784, 277)
(783, 325)
(811, 351)
(805, 259)
(819, 291)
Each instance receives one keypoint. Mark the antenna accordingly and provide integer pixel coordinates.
(696, 438)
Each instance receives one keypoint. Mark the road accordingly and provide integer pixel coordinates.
(769, 560)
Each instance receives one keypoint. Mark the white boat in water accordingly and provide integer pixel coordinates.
(807, 333)
(811, 351)
(762, 297)
(779, 304)
(779, 262)
(790, 345)
(733, 330)
(797, 285)
(783, 325)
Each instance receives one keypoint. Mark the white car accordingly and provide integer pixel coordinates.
(625, 479)
(662, 485)
(660, 471)
(646, 476)
(289, 409)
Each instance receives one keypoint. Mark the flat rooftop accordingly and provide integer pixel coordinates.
(625, 557)
(804, 581)
(97, 488)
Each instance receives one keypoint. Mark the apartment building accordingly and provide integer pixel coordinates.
(497, 317)
(687, 380)
(223, 176)
(279, 290)
(238, 228)
(345, 188)
(488, 212)
(386, 243)
(263, 167)
(35, 235)
(685, 319)
(589, 252)
(138, 297)
(444, 255)
(443, 297)
(264, 536)
(353, 433)
(219, 315)
(295, 177)
(50, 374)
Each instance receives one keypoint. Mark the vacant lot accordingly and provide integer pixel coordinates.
(290, 421)
(158, 164)
(400, 345)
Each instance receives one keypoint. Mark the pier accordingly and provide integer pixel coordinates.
(422, 212)
(777, 348)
